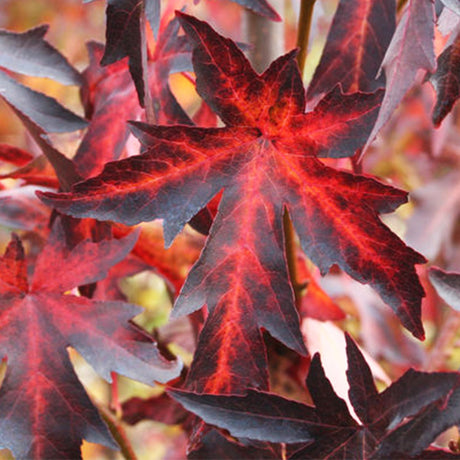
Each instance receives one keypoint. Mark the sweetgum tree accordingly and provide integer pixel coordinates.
(270, 207)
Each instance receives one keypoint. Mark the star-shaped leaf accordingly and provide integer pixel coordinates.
(356, 44)
(266, 160)
(41, 395)
(328, 430)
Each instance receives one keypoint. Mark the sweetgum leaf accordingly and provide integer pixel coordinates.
(327, 429)
(43, 110)
(123, 31)
(256, 415)
(152, 13)
(28, 53)
(447, 285)
(356, 44)
(123, 39)
(109, 98)
(446, 81)
(172, 263)
(41, 393)
(417, 433)
(411, 49)
(160, 408)
(265, 160)
(123, 35)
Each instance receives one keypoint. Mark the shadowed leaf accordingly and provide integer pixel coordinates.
(265, 160)
(327, 430)
(28, 53)
(41, 394)
(357, 41)
(446, 81)
(43, 110)
(447, 285)
(411, 49)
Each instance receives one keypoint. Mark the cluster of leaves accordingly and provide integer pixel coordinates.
(252, 166)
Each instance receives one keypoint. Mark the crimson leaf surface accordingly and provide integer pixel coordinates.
(266, 160)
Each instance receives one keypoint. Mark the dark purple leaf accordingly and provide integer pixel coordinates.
(447, 285)
(411, 49)
(328, 428)
(418, 433)
(356, 44)
(446, 81)
(123, 39)
(45, 412)
(256, 415)
(43, 110)
(28, 53)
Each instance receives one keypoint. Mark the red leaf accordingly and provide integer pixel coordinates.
(109, 100)
(213, 444)
(358, 38)
(411, 49)
(446, 81)
(423, 429)
(123, 39)
(173, 263)
(265, 160)
(328, 430)
(41, 393)
(315, 303)
(37, 172)
(14, 155)
(108, 94)
(30, 54)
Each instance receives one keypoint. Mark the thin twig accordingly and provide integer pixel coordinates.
(148, 102)
(115, 400)
(303, 31)
(291, 256)
(118, 432)
(400, 6)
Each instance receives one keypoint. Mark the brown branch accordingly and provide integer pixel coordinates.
(400, 6)
(303, 31)
(148, 102)
(118, 432)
